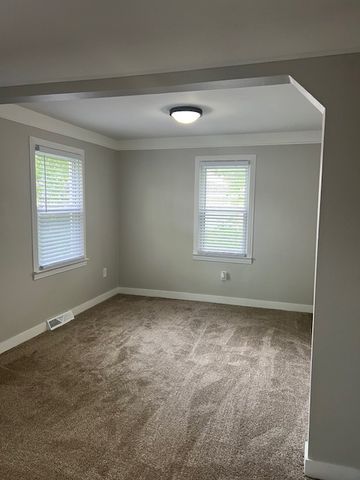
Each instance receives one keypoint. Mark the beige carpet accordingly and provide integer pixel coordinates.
(150, 389)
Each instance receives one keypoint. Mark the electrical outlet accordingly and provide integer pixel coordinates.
(104, 272)
(224, 276)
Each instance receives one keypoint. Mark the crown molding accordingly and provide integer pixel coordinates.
(28, 117)
(25, 116)
(213, 141)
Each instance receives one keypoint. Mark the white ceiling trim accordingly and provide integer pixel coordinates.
(28, 117)
(233, 140)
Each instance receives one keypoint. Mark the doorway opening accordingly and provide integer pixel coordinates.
(247, 358)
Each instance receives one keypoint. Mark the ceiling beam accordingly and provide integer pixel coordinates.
(218, 78)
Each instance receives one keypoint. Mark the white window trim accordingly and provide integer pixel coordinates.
(37, 272)
(248, 259)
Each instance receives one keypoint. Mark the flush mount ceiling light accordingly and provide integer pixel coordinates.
(185, 114)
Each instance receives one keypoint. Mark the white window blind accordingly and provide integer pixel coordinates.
(224, 210)
(59, 207)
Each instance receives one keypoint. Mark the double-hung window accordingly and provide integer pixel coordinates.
(224, 208)
(57, 180)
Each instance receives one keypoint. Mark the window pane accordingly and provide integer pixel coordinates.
(223, 208)
(60, 215)
(226, 187)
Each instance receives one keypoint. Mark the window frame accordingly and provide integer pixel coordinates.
(67, 265)
(248, 258)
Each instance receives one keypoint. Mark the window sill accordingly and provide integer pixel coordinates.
(54, 271)
(209, 258)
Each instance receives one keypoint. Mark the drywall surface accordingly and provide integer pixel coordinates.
(25, 302)
(335, 380)
(335, 385)
(156, 212)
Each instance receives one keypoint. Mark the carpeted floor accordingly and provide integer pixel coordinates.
(151, 389)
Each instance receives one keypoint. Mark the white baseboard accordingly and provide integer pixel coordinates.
(22, 337)
(41, 327)
(328, 471)
(201, 297)
(94, 301)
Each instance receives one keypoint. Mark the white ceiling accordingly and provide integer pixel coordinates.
(273, 108)
(42, 40)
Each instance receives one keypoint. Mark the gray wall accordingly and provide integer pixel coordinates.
(156, 212)
(335, 380)
(23, 301)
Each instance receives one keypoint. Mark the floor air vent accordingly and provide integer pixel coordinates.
(60, 320)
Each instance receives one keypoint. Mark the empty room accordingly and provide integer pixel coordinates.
(179, 240)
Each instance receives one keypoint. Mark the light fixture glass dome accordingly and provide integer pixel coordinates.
(185, 114)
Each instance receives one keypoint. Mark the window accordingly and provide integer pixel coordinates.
(57, 174)
(224, 208)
